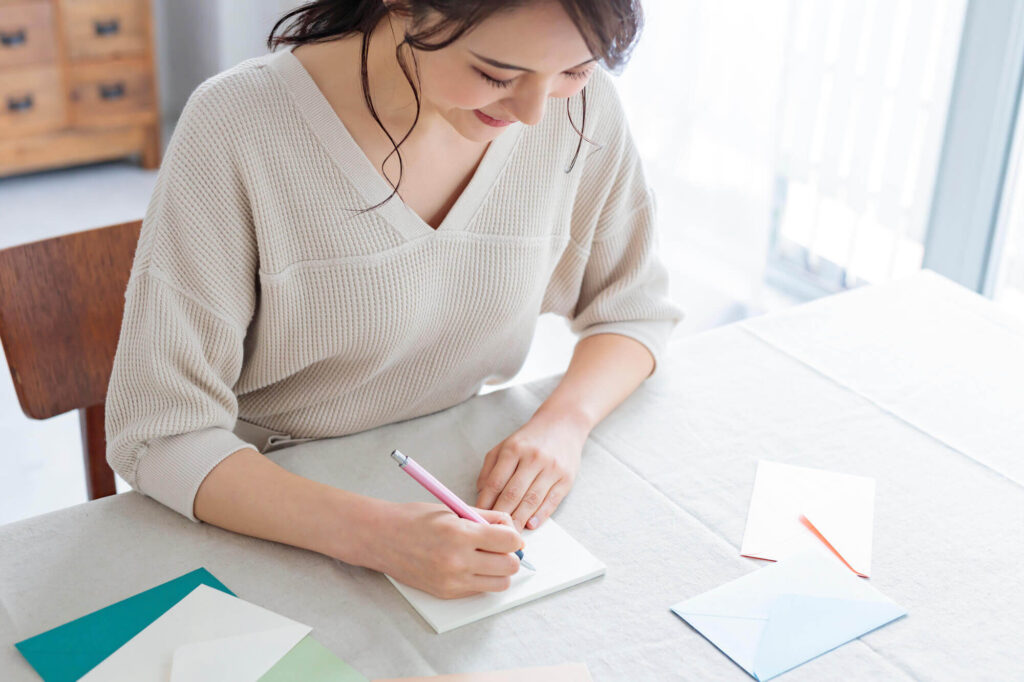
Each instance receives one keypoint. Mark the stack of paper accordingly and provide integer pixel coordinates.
(561, 562)
(190, 628)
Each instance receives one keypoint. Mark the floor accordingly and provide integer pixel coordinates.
(41, 468)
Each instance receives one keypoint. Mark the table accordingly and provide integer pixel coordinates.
(918, 383)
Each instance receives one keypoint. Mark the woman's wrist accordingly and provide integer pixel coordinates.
(565, 414)
(357, 522)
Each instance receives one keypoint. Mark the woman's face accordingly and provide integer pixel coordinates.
(505, 68)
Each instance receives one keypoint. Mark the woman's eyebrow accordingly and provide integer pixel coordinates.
(503, 65)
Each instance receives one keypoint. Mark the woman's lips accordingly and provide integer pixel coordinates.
(491, 121)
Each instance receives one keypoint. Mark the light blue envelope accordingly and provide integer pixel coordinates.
(785, 614)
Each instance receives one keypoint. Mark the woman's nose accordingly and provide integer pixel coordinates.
(528, 105)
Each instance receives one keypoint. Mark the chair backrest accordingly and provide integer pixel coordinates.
(61, 303)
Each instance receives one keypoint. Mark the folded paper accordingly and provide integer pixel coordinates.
(795, 507)
(68, 652)
(785, 614)
(561, 562)
(208, 635)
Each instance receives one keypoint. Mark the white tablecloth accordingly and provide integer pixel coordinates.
(918, 383)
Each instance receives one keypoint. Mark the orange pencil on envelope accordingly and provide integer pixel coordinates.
(793, 507)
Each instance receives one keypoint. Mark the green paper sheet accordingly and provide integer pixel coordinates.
(71, 650)
(311, 661)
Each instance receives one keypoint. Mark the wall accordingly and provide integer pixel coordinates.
(199, 38)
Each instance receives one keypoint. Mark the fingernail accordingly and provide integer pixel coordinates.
(534, 522)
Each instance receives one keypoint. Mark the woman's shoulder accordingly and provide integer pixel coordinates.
(234, 105)
(235, 88)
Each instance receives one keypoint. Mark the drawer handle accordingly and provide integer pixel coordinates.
(107, 28)
(113, 91)
(23, 104)
(13, 39)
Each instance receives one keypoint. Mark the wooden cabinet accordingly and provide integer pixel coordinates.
(77, 83)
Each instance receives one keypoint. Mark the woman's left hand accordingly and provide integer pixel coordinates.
(529, 473)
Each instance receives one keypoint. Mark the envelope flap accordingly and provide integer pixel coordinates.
(68, 652)
(802, 627)
(244, 656)
(736, 637)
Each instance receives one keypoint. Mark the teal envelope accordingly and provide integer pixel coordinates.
(70, 651)
(783, 615)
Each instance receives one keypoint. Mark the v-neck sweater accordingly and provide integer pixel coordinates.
(261, 291)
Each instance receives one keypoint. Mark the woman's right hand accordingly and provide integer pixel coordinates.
(428, 547)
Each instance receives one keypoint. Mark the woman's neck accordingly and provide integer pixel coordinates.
(391, 93)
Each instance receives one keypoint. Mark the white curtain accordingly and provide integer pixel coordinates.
(701, 93)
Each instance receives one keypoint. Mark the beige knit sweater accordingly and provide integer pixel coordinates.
(258, 293)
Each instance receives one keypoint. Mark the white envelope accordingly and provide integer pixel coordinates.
(561, 562)
(780, 616)
(208, 635)
(793, 508)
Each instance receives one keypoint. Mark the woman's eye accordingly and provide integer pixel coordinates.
(494, 81)
(578, 74)
(575, 75)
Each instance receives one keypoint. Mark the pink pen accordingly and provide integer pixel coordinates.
(447, 497)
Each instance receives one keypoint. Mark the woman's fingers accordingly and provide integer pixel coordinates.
(493, 485)
(485, 470)
(534, 497)
(494, 564)
(551, 502)
(491, 516)
(517, 487)
(496, 537)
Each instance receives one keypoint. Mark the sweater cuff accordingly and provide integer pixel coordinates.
(172, 468)
(653, 334)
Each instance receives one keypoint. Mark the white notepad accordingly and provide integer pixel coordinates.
(561, 562)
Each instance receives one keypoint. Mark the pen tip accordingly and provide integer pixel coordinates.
(526, 563)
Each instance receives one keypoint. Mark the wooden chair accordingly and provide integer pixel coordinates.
(61, 302)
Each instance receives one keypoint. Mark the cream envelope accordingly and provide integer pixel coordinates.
(570, 672)
(793, 508)
(561, 562)
(208, 635)
(780, 616)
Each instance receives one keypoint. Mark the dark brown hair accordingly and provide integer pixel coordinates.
(610, 29)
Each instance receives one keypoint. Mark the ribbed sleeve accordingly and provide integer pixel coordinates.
(624, 287)
(170, 407)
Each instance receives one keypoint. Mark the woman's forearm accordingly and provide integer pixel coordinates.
(605, 369)
(422, 545)
(247, 493)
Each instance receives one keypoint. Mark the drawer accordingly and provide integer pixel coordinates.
(118, 92)
(26, 33)
(105, 28)
(31, 100)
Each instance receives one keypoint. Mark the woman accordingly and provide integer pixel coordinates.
(362, 229)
